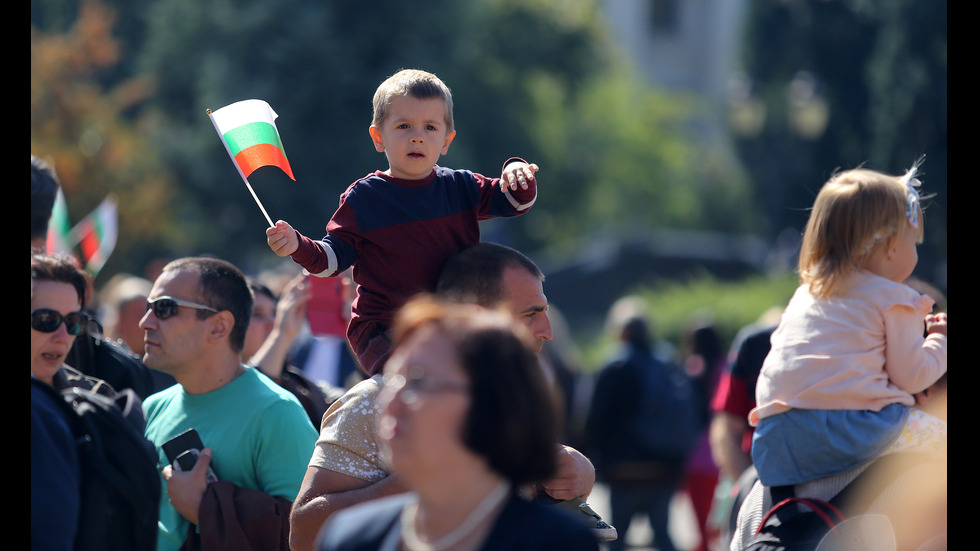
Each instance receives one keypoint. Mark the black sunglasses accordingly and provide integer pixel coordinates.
(46, 320)
(166, 307)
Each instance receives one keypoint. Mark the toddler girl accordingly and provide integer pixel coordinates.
(836, 389)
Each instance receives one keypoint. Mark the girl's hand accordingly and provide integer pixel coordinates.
(936, 323)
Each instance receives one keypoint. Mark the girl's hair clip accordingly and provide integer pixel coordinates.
(874, 242)
(912, 202)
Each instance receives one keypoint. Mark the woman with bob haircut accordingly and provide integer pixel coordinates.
(58, 290)
(466, 419)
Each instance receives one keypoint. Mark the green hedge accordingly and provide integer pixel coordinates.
(674, 306)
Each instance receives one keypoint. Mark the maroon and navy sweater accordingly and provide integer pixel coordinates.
(398, 234)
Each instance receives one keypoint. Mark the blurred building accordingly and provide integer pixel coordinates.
(683, 46)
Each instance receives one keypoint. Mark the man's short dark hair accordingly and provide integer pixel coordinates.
(44, 189)
(475, 275)
(59, 269)
(222, 287)
(512, 421)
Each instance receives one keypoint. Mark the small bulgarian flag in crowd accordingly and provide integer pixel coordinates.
(95, 236)
(248, 130)
(58, 226)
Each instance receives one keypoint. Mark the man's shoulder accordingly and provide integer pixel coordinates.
(265, 390)
(161, 398)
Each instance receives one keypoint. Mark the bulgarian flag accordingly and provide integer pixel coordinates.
(96, 235)
(58, 227)
(248, 130)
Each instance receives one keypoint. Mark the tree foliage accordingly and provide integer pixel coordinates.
(881, 67)
(85, 129)
(538, 79)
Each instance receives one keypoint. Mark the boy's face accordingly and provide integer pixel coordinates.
(413, 136)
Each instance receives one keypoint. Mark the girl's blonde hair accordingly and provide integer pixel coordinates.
(856, 213)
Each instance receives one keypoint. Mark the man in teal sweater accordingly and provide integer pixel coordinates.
(256, 435)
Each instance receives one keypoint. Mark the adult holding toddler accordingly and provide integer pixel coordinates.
(399, 226)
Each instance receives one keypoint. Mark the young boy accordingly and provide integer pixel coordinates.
(398, 227)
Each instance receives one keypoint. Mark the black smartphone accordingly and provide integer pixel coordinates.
(182, 452)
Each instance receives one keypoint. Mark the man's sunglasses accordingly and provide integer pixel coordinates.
(166, 307)
(46, 320)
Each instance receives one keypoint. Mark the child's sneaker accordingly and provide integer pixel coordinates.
(603, 530)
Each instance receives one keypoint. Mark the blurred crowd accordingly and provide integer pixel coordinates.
(249, 423)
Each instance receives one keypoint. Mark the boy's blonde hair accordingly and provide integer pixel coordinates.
(856, 213)
(415, 83)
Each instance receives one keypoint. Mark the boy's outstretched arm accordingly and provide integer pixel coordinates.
(517, 173)
(282, 238)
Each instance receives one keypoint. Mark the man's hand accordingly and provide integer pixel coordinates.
(574, 478)
(936, 323)
(186, 489)
(517, 173)
(282, 238)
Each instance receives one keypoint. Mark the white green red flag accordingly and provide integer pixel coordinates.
(96, 235)
(248, 130)
(58, 227)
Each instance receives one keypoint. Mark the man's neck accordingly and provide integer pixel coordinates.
(208, 376)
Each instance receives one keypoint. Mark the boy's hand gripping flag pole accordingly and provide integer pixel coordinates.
(248, 131)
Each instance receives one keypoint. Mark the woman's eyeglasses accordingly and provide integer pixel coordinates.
(166, 307)
(412, 387)
(46, 320)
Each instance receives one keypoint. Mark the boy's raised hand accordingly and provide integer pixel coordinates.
(282, 238)
(517, 173)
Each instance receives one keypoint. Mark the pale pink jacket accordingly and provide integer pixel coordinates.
(860, 351)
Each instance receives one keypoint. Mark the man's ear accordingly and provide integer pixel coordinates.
(221, 325)
(376, 138)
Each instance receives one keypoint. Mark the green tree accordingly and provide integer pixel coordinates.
(534, 78)
(880, 65)
(86, 131)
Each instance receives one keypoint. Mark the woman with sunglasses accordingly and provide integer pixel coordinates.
(466, 420)
(58, 290)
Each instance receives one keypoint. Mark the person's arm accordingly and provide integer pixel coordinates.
(913, 363)
(731, 405)
(347, 443)
(323, 493)
(318, 257)
(290, 315)
(726, 435)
